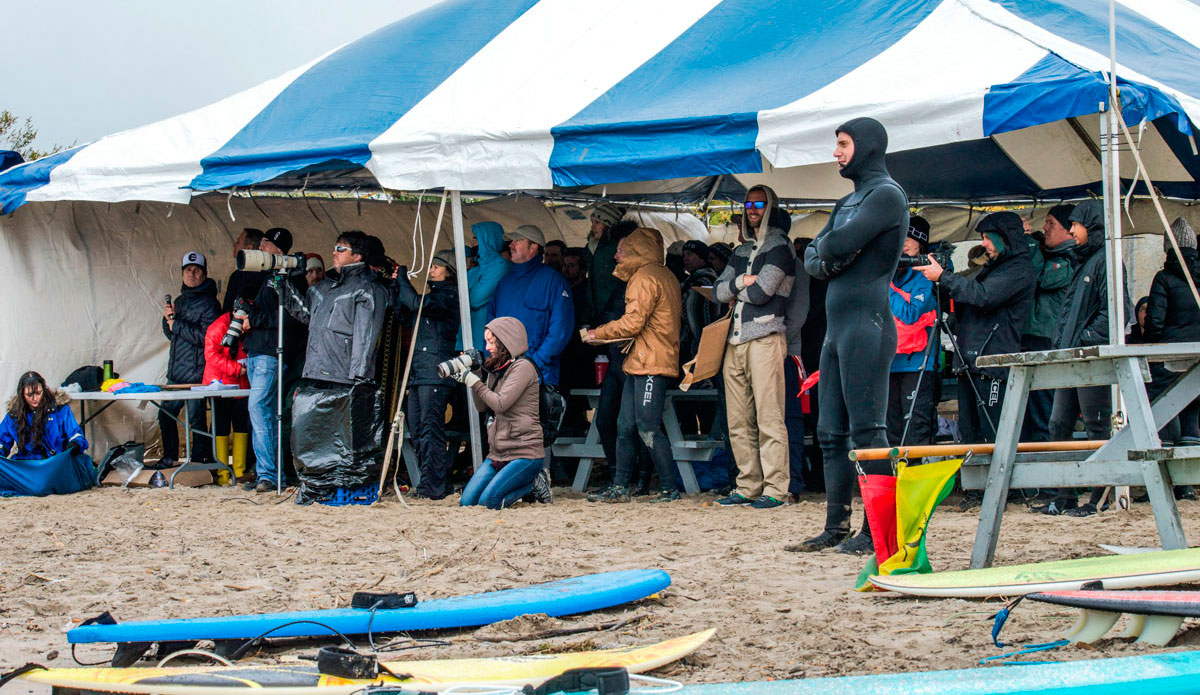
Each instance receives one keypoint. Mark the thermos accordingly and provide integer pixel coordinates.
(108, 370)
(601, 368)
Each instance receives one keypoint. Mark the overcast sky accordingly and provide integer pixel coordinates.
(82, 69)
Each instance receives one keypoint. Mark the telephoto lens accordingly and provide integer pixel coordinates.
(254, 260)
(237, 325)
(468, 360)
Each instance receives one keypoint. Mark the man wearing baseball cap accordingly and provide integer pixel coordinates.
(262, 364)
(539, 297)
(185, 321)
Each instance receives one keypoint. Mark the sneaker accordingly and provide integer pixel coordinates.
(766, 502)
(734, 499)
(1052, 508)
(612, 494)
(249, 485)
(827, 539)
(666, 496)
(1185, 492)
(541, 487)
(970, 501)
(858, 544)
(1082, 510)
(265, 486)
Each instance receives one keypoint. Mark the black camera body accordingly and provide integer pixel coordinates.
(237, 325)
(941, 254)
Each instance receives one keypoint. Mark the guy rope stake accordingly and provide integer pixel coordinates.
(396, 435)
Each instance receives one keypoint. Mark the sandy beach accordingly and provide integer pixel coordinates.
(157, 553)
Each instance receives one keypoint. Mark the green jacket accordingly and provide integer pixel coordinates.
(1054, 277)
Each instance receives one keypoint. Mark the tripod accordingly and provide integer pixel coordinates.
(935, 339)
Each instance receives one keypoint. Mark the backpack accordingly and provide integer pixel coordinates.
(552, 406)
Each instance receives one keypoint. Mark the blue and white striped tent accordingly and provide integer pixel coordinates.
(657, 98)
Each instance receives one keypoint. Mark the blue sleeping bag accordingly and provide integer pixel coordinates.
(58, 475)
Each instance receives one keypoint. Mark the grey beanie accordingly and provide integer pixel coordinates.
(1185, 236)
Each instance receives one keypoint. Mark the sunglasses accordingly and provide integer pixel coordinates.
(340, 249)
(755, 204)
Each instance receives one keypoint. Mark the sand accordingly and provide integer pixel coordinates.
(157, 553)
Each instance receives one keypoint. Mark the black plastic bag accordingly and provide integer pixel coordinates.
(337, 437)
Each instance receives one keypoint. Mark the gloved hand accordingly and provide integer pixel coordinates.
(73, 448)
(466, 376)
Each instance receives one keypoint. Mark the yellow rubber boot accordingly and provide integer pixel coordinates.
(221, 450)
(241, 449)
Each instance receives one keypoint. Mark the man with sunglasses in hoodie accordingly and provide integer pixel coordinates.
(758, 280)
(857, 252)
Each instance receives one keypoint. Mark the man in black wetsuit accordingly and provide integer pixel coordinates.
(857, 252)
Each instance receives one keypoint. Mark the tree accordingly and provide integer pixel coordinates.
(19, 135)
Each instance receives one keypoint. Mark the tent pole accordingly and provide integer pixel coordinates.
(464, 314)
(1109, 129)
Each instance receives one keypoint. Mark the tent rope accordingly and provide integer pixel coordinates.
(1162, 216)
(396, 437)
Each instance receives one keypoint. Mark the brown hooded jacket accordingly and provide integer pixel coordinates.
(653, 307)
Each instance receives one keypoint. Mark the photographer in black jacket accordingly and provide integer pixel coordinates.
(991, 310)
(262, 366)
(434, 343)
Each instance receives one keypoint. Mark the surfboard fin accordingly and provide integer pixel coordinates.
(1157, 630)
(1091, 626)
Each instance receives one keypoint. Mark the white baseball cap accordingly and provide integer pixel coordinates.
(193, 258)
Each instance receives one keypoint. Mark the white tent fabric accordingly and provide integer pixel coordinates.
(484, 95)
(84, 282)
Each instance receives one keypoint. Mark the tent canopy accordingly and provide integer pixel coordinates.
(982, 99)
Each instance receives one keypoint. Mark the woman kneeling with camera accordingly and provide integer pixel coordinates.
(511, 393)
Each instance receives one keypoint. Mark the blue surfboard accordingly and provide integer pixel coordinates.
(562, 597)
(1156, 674)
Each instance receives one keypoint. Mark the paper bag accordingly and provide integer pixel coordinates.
(709, 356)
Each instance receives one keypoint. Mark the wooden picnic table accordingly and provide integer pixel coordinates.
(1133, 456)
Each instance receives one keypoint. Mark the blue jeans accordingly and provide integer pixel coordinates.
(498, 489)
(262, 371)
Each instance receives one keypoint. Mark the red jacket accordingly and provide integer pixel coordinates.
(217, 362)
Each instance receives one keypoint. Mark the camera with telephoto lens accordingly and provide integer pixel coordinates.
(237, 324)
(941, 254)
(468, 360)
(253, 260)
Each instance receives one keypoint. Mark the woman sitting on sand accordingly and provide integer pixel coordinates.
(511, 393)
(39, 422)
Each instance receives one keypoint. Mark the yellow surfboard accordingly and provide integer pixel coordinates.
(304, 679)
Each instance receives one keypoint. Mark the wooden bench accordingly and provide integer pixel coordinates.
(684, 449)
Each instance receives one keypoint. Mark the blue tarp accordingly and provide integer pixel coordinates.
(58, 475)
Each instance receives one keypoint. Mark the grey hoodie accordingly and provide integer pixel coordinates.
(760, 309)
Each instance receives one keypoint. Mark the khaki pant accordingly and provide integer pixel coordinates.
(754, 398)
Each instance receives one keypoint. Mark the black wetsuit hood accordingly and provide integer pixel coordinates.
(870, 144)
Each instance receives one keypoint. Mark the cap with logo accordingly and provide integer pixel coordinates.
(193, 258)
(280, 237)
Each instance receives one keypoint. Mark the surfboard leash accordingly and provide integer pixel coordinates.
(20, 670)
(1008, 658)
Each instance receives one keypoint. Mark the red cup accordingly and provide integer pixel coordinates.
(601, 368)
